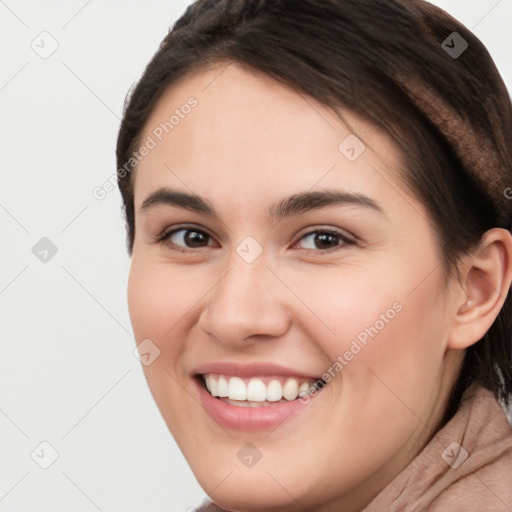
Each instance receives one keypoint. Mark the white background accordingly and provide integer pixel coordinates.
(68, 374)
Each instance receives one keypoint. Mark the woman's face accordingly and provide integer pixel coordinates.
(288, 253)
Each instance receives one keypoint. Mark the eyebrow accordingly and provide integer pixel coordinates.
(292, 205)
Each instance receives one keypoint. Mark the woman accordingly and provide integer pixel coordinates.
(319, 225)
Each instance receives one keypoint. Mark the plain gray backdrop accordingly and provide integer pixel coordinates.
(73, 395)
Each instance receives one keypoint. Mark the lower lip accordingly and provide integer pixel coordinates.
(248, 418)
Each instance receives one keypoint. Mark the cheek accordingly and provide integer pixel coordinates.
(403, 346)
(158, 300)
(351, 307)
(145, 304)
(379, 319)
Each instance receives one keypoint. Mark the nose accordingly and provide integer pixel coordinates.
(247, 304)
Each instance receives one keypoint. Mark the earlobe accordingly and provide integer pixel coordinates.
(487, 278)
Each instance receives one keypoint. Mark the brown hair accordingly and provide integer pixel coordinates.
(389, 61)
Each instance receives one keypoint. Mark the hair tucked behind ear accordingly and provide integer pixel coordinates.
(452, 117)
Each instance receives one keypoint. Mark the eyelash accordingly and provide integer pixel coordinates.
(164, 238)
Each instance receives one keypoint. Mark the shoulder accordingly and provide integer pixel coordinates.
(466, 466)
(481, 478)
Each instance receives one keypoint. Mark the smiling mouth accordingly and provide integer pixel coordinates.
(259, 391)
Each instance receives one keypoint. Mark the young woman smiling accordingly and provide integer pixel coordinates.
(339, 178)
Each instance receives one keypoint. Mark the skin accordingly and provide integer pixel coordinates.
(249, 142)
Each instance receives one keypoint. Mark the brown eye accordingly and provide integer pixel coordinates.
(323, 240)
(187, 237)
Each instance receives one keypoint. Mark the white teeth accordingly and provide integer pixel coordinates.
(274, 391)
(247, 403)
(303, 389)
(213, 386)
(291, 389)
(222, 387)
(256, 393)
(237, 389)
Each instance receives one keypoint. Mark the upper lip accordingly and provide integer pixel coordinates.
(261, 369)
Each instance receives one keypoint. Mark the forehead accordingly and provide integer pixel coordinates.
(232, 132)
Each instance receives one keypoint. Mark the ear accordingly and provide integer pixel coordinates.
(486, 275)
